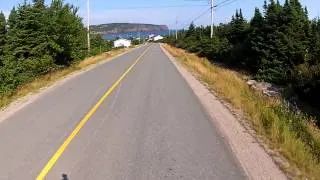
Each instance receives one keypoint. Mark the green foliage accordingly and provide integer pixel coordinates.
(3, 24)
(99, 45)
(307, 75)
(39, 38)
(255, 42)
(280, 45)
(67, 34)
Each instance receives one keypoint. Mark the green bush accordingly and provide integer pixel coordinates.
(38, 38)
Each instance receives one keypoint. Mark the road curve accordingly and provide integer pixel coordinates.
(150, 127)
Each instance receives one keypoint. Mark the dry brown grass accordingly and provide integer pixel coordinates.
(50, 78)
(268, 117)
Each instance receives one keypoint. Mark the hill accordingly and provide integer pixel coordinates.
(126, 27)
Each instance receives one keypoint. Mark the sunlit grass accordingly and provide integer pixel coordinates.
(284, 131)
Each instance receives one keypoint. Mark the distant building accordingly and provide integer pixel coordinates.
(157, 38)
(151, 36)
(122, 43)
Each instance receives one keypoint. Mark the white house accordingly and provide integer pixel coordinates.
(122, 43)
(151, 36)
(157, 38)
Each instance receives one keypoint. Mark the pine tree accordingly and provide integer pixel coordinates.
(306, 76)
(237, 37)
(315, 42)
(12, 20)
(2, 35)
(295, 28)
(192, 38)
(191, 30)
(68, 36)
(255, 46)
(26, 32)
(272, 67)
(280, 46)
(41, 38)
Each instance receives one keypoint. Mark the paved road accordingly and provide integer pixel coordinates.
(151, 127)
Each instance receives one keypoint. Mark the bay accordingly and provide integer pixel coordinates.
(134, 35)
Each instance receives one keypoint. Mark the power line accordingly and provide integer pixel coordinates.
(191, 20)
(226, 3)
(216, 7)
(197, 17)
(156, 7)
(212, 8)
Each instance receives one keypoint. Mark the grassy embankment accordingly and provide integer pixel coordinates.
(284, 131)
(50, 78)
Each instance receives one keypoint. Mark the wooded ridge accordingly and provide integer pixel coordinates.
(126, 27)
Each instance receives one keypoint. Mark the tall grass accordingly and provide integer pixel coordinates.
(286, 132)
(51, 77)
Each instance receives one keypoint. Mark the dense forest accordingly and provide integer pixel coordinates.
(278, 45)
(37, 38)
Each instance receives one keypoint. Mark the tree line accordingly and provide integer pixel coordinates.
(279, 45)
(37, 38)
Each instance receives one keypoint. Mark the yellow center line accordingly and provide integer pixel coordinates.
(44, 172)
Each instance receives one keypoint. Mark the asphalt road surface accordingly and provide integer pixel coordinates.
(151, 126)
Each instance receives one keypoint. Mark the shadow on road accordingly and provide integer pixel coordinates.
(65, 177)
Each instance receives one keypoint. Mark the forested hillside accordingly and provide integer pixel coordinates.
(37, 39)
(279, 45)
(126, 27)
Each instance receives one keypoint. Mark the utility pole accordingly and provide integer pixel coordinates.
(88, 21)
(177, 29)
(139, 33)
(211, 35)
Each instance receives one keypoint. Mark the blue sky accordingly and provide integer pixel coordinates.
(109, 11)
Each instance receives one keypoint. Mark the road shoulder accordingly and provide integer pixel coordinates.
(255, 161)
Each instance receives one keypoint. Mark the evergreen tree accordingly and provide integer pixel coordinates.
(2, 35)
(279, 45)
(237, 37)
(272, 67)
(256, 47)
(26, 32)
(68, 36)
(238, 28)
(192, 38)
(306, 76)
(315, 42)
(12, 20)
(191, 30)
(40, 39)
(295, 27)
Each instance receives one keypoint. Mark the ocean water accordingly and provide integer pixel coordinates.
(134, 35)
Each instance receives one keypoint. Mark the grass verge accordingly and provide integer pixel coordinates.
(48, 79)
(284, 131)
